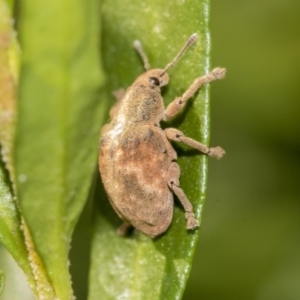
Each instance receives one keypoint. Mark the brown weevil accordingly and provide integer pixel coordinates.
(137, 161)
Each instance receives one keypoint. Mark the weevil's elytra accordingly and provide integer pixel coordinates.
(137, 161)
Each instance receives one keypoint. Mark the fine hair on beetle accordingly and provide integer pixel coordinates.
(137, 161)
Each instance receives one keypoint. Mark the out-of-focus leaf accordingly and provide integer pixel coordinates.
(11, 235)
(16, 283)
(9, 53)
(10, 3)
(57, 133)
(138, 267)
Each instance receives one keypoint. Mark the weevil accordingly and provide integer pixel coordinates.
(137, 161)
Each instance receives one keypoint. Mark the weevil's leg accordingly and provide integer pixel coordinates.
(118, 94)
(177, 105)
(139, 48)
(124, 229)
(177, 136)
(173, 183)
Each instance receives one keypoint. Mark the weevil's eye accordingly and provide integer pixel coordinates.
(154, 81)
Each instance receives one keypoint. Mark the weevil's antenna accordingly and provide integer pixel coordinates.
(139, 48)
(192, 39)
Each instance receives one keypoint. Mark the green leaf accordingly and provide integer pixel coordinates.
(58, 128)
(11, 235)
(138, 267)
(10, 3)
(8, 82)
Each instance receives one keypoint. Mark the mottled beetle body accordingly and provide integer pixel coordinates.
(137, 161)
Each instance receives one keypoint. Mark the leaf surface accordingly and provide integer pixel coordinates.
(58, 127)
(138, 267)
(11, 235)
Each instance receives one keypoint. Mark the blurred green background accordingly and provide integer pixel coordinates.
(250, 238)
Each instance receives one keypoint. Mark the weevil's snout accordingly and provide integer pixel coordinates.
(156, 78)
(164, 79)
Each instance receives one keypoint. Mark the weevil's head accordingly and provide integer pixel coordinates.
(153, 78)
(157, 78)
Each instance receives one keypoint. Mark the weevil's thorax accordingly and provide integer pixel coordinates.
(143, 101)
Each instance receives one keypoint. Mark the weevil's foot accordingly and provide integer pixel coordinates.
(218, 73)
(216, 152)
(124, 229)
(191, 222)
